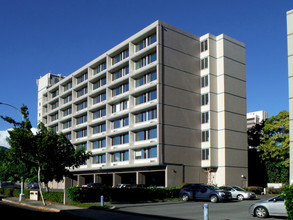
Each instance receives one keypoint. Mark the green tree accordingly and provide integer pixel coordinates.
(16, 164)
(274, 147)
(45, 156)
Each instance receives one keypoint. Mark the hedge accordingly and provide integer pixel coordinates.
(287, 194)
(79, 194)
(53, 196)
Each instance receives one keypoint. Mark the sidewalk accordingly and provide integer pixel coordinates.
(51, 207)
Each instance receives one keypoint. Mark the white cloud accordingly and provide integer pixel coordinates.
(5, 134)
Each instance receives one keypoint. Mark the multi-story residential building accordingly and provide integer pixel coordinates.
(257, 117)
(290, 79)
(161, 108)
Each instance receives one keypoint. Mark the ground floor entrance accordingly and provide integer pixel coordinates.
(147, 177)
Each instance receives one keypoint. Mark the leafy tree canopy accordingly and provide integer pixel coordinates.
(275, 140)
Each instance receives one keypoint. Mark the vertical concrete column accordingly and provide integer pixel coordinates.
(116, 179)
(80, 180)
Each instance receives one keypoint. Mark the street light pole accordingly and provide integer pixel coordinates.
(21, 195)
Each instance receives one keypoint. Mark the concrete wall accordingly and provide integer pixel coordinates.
(290, 77)
(181, 102)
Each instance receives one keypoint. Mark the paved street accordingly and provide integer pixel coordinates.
(235, 210)
(172, 210)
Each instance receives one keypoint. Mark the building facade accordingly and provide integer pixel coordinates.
(257, 117)
(290, 79)
(161, 108)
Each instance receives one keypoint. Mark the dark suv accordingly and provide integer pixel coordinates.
(203, 192)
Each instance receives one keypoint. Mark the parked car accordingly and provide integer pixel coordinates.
(9, 185)
(239, 193)
(32, 185)
(123, 185)
(94, 185)
(203, 192)
(274, 206)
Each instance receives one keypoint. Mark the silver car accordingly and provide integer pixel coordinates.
(274, 206)
(239, 193)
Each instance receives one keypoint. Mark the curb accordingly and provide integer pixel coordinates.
(32, 206)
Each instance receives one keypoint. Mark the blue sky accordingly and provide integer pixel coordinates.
(60, 36)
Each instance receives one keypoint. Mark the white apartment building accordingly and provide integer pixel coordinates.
(161, 108)
(257, 117)
(290, 80)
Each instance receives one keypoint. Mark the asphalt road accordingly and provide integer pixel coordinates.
(172, 210)
(234, 210)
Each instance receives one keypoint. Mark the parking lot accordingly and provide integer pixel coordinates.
(234, 210)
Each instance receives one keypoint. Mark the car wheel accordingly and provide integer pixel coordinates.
(185, 197)
(261, 212)
(240, 197)
(214, 198)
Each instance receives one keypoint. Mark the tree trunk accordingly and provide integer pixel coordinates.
(40, 186)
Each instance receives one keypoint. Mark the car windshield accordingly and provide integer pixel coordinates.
(238, 188)
(212, 187)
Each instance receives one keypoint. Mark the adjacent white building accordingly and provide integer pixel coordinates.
(257, 117)
(290, 79)
(161, 108)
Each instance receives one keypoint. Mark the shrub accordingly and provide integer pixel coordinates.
(287, 194)
(48, 196)
(256, 189)
(271, 190)
(78, 194)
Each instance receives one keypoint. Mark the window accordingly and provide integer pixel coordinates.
(101, 143)
(204, 136)
(67, 99)
(146, 115)
(99, 128)
(68, 86)
(204, 81)
(82, 78)
(119, 73)
(81, 119)
(149, 77)
(98, 159)
(68, 136)
(205, 99)
(146, 134)
(99, 113)
(204, 63)
(81, 133)
(54, 117)
(146, 153)
(67, 111)
(67, 124)
(55, 128)
(55, 93)
(120, 89)
(146, 42)
(101, 67)
(203, 45)
(122, 55)
(120, 106)
(83, 145)
(205, 154)
(120, 139)
(146, 60)
(121, 122)
(99, 98)
(146, 97)
(55, 105)
(81, 92)
(99, 83)
(120, 156)
(81, 105)
(204, 117)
